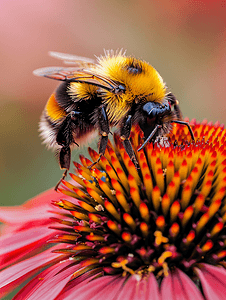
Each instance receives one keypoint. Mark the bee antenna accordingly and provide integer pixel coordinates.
(188, 126)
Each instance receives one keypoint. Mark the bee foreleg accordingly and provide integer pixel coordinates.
(103, 125)
(124, 135)
(149, 137)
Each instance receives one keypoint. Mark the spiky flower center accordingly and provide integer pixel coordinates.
(168, 213)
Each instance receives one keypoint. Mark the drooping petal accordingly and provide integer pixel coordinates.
(91, 289)
(12, 276)
(178, 286)
(35, 211)
(136, 288)
(22, 243)
(213, 280)
(49, 283)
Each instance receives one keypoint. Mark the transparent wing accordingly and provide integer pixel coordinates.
(73, 59)
(76, 74)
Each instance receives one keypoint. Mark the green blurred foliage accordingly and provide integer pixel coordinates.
(183, 40)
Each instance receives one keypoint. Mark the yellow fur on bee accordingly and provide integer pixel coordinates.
(54, 111)
(81, 91)
(144, 86)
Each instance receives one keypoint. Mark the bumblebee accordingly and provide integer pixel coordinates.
(116, 90)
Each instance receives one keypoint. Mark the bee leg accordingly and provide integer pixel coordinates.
(104, 130)
(65, 139)
(149, 137)
(124, 135)
(62, 178)
(64, 161)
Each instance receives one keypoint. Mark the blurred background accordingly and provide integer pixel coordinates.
(184, 40)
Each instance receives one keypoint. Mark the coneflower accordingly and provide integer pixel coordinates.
(121, 232)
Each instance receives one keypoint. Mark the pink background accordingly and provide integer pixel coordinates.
(184, 40)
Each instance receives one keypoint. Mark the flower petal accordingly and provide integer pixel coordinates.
(213, 280)
(136, 289)
(35, 210)
(22, 243)
(90, 289)
(12, 276)
(49, 283)
(178, 286)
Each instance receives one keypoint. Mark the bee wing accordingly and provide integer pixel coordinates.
(74, 74)
(73, 59)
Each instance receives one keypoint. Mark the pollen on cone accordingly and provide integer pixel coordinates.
(77, 179)
(174, 229)
(156, 197)
(165, 204)
(135, 195)
(106, 250)
(183, 170)
(148, 185)
(123, 178)
(206, 188)
(95, 196)
(144, 212)
(198, 204)
(117, 186)
(216, 229)
(144, 229)
(111, 209)
(85, 161)
(174, 210)
(84, 174)
(160, 222)
(122, 201)
(190, 237)
(80, 216)
(169, 172)
(104, 187)
(115, 163)
(160, 180)
(207, 246)
(186, 196)
(129, 220)
(86, 206)
(68, 184)
(213, 208)
(111, 173)
(94, 218)
(127, 237)
(92, 185)
(187, 215)
(202, 222)
(220, 194)
(94, 238)
(113, 226)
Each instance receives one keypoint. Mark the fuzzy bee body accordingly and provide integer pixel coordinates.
(117, 90)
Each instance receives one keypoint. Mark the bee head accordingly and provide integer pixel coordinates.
(135, 79)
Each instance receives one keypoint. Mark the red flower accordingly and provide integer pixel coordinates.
(157, 232)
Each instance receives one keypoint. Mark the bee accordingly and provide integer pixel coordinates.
(114, 91)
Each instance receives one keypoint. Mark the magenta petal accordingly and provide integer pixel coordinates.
(213, 280)
(89, 289)
(178, 286)
(49, 283)
(11, 277)
(22, 243)
(137, 289)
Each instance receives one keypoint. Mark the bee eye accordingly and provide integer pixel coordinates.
(133, 70)
(149, 109)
